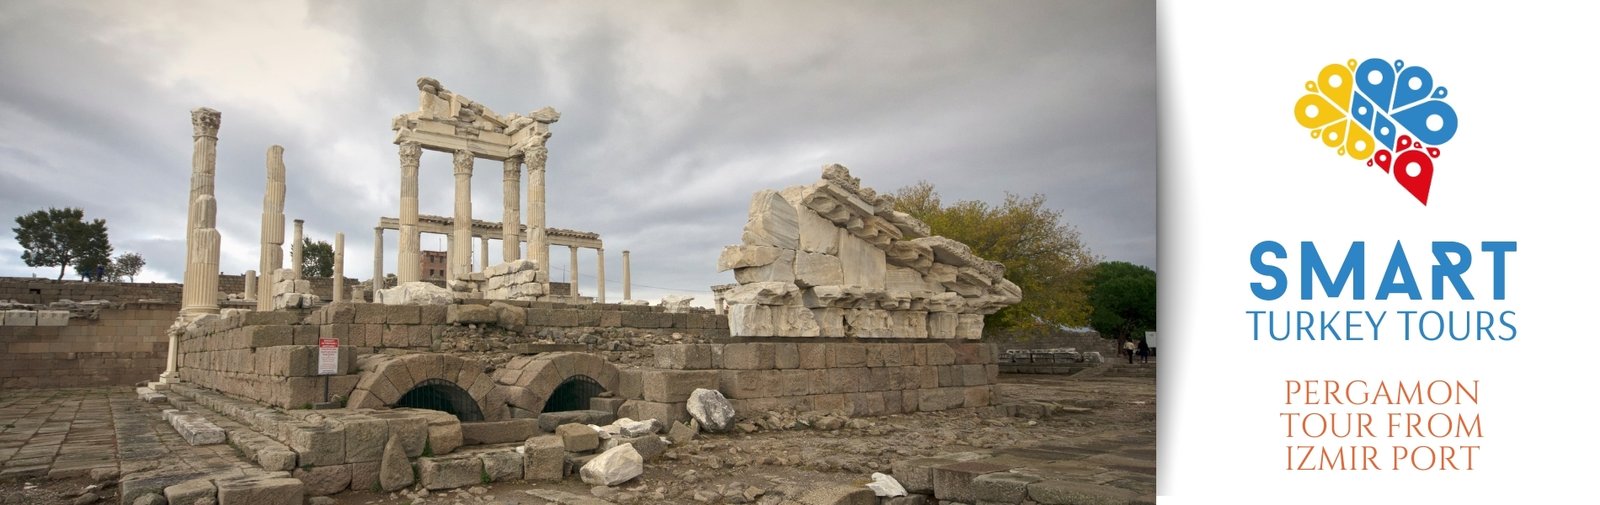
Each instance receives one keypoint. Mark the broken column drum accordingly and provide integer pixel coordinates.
(271, 227)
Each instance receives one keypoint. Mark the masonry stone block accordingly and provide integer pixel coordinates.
(812, 356)
(743, 384)
(261, 491)
(450, 473)
(578, 438)
(667, 386)
(502, 466)
(953, 482)
(324, 480)
(1002, 487)
(846, 355)
(749, 356)
(543, 458)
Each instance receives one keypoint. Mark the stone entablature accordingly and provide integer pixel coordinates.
(835, 259)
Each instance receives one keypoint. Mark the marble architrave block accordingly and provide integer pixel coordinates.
(863, 264)
(779, 270)
(773, 222)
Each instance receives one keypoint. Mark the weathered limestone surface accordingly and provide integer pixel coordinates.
(195, 429)
(834, 259)
(271, 226)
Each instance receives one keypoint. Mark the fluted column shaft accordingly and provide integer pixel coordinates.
(511, 219)
(573, 265)
(409, 268)
(250, 285)
(600, 275)
(461, 256)
(202, 185)
(338, 267)
(538, 241)
(627, 278)
(271, 228)
(377, 260)
(299, 248)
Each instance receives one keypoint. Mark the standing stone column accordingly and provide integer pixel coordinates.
(299, 248)
(271, 227)
(449, 257)
(199, 279)
(483, 253)
(538, 242)
(511, 219)
(409, 268)
(377, 261)
(205, 248)
(249, 285)
(600, 275)
(197, 299)
(338, 267)
(573, 270)
(627, 278)
(461, 248)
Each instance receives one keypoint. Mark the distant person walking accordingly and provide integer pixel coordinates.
(1127, 348)
(1144, 351)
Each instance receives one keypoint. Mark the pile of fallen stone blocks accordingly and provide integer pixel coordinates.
(514, 280)
(289, 291)
(467, 286)
(835, 259)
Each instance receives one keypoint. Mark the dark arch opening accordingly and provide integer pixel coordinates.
(573, 394)
(442, 395)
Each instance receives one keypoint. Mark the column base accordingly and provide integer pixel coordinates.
(168, 378)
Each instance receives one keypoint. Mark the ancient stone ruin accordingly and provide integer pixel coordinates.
(494, 377)
(835, 259)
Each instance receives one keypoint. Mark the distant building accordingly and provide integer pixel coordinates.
(434, 265)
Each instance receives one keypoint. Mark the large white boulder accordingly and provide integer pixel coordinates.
(615, 466)
(415, 293)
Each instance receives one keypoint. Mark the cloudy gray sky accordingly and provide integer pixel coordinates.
(673, 114)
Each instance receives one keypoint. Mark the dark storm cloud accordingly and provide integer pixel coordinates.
(672, 115)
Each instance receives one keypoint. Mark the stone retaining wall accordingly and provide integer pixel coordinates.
(122, 347)
(272, 356)
(855, 378)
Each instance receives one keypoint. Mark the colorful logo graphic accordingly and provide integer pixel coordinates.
(1388, 114)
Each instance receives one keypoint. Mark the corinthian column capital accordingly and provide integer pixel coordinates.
(410, 153)
(463, 162)
(206, 121)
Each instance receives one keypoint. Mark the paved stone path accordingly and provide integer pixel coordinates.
(57, 432)
(64, 433)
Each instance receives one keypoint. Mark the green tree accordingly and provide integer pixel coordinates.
(1124, 299)
(60, 237)
(127, 265)
(316, 259)
(1042, 255)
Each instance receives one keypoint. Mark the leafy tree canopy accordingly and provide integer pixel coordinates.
(1124, 299)
(127, 265)
(60, 237)
(1043, 255)
(316, 259)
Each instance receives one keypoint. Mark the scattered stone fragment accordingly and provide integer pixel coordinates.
(615, 466)
(884, 485)
(578, 437)
(395, 473)
(681, 433)
(710, 409)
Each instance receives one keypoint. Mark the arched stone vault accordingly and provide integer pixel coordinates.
(528, 381)
(386, 378)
